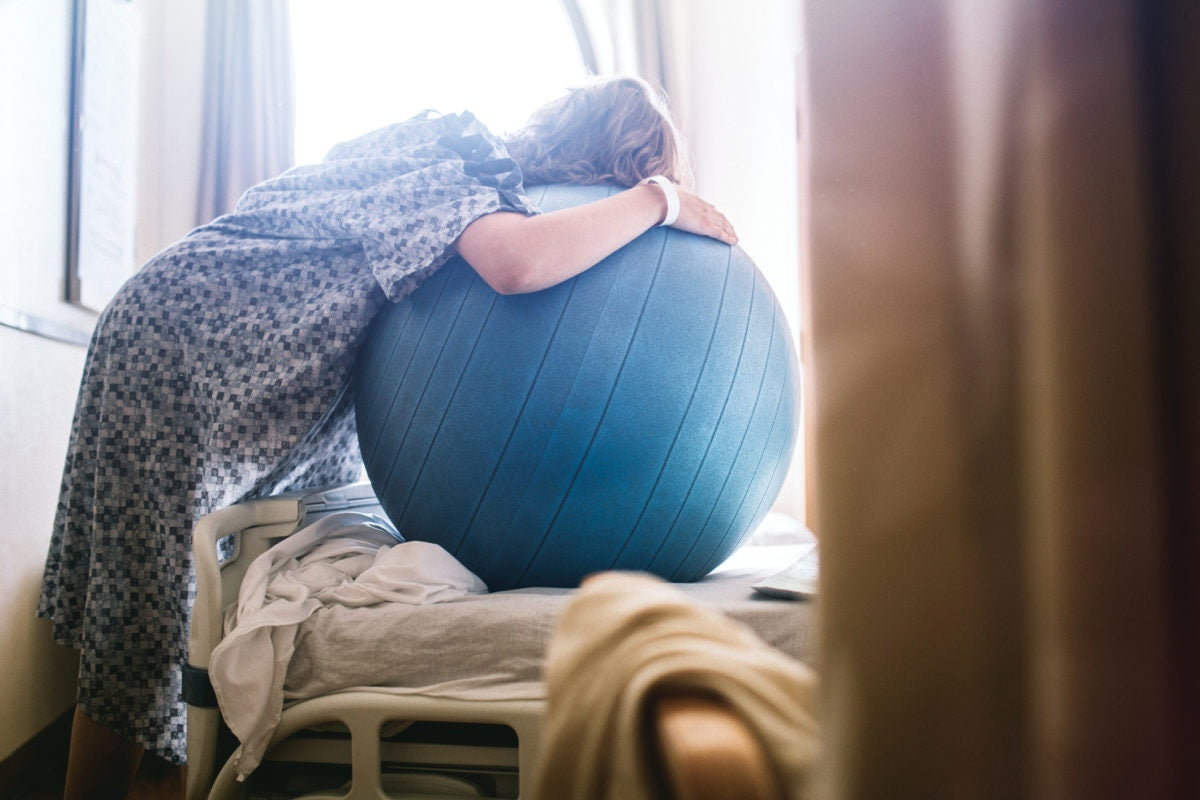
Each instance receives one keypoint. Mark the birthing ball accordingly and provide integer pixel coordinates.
(641, 416)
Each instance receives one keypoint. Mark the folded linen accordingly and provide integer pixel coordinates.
(348, 559)
(625, 639)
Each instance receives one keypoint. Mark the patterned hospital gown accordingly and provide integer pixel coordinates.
(221, 372)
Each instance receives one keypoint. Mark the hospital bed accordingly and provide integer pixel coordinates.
(365, 724)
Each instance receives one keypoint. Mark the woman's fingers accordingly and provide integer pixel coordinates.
(699, 216)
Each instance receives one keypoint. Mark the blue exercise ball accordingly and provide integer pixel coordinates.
(641, 416)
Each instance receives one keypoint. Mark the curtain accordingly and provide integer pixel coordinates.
(248, 105)
(1001, 333)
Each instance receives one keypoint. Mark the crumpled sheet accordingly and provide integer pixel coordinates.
(348, 559)
(626, 636)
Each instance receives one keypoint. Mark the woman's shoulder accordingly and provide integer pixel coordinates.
(424, 130)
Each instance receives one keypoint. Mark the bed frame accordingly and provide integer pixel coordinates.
(463, 748)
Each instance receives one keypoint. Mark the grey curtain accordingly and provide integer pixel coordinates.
(249, 101)
(1003, 334)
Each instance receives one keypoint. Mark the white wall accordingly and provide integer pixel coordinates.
(37, 392)
(39, 377)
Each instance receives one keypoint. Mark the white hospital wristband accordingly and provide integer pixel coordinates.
(668, 189)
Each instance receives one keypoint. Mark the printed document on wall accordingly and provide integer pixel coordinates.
(107, 150)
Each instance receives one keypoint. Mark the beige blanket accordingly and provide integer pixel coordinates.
(625, 636)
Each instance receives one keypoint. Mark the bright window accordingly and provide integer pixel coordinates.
(363, 64)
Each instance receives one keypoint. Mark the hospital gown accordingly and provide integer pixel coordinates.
(221, 372)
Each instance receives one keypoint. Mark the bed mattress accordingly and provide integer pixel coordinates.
(491, 647)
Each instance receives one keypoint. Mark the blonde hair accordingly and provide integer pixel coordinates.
(615, 130)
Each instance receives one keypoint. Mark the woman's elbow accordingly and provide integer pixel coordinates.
(506, 285)
(512, 277)
(497, 247)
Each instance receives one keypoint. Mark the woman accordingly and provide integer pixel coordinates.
(221, 370)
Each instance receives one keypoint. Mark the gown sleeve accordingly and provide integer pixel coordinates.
(404, 193)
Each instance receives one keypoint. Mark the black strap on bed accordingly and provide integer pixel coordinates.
(197, 688)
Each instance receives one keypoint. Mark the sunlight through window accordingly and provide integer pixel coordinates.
(363, 64)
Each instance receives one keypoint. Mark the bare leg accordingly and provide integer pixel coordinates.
(102, 764)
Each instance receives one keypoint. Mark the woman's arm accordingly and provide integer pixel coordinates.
(515, 254)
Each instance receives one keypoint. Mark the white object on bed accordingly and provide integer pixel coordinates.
(346, 560)
(798, 581)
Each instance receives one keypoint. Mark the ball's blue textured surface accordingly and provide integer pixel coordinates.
(641, 416)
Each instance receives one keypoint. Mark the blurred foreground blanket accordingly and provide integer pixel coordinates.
(626, 637)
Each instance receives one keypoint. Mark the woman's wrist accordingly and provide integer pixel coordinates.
(671, 196)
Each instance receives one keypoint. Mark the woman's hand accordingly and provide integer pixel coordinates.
(698, 216)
